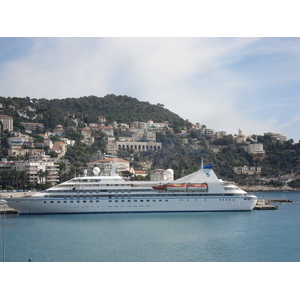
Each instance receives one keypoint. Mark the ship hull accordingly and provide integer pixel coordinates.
(176, 204)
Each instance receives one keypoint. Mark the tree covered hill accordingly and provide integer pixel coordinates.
(181, 153)
(122, 109)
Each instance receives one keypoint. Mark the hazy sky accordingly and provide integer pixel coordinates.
(252, 84)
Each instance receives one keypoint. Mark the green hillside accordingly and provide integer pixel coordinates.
(114, 108)
(181, 153)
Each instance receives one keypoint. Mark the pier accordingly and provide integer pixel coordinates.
(264, 204)
(265, 207)
(8, 210)
(279, 200)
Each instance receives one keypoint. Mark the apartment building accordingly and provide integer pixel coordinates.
(247, 170)
(39, 171)
(33, 126)
(8, 122)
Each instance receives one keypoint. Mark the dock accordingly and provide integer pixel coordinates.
(264, 204)
(279, 200)
(8, 210)
(265, 207)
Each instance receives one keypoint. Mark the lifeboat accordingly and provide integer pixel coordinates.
(197, 187)
(160, 187)
(176, 187)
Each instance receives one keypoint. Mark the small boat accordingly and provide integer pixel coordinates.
(197, 187)
(176, 187)
(160, 187)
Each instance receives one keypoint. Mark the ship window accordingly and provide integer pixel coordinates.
(71, 201)
(154, 200)
(109, 200)
(122, 200)
(84, 201)
(116, 200)
(135, 200)
(166, 200)
(128, 200)
(78, 201)
(91, 201)
(141, 200)
(58, 201)
(45, 202)
(65, 201)
(51, 201)
(160, 200)
(97, 200)
(147, 200)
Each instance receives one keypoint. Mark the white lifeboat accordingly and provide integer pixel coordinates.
(197, 187)
(176, 187)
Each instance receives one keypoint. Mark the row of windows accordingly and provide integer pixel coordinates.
(147, 200)
(97, 201)
(154, 200)
(71, 201)
(95, 195)
(96, 191)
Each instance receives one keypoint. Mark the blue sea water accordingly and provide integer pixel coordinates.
(256, 236)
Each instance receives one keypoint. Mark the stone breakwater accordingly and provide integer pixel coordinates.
(6, 208)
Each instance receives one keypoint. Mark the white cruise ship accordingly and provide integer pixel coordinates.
(199, 191)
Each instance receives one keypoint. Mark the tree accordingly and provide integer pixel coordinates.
(41, 174)
(53, 154)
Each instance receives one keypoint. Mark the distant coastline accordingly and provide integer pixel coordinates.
(268, 189)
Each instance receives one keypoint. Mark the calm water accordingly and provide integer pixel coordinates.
(256, 236)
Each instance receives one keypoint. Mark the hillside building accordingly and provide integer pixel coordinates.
(161, 175)
(247, 170)
(17, 141)
(7, 122)
(256, 151)
(59, 131)
(60, 148)
(17, 152)
(39, 171)
(105, 165)
(240, 138)
(278, 136)
(102, 119)
(139, 173)
(33, 126)
(139, 146)
(206, 132)
(6, 165)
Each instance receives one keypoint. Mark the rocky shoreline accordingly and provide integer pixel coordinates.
(268, 189)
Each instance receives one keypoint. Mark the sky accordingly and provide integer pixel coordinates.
(226, 64)
(224, 82)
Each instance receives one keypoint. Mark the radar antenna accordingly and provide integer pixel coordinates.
(96, 171)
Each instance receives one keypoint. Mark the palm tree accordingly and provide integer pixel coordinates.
(41, 174)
